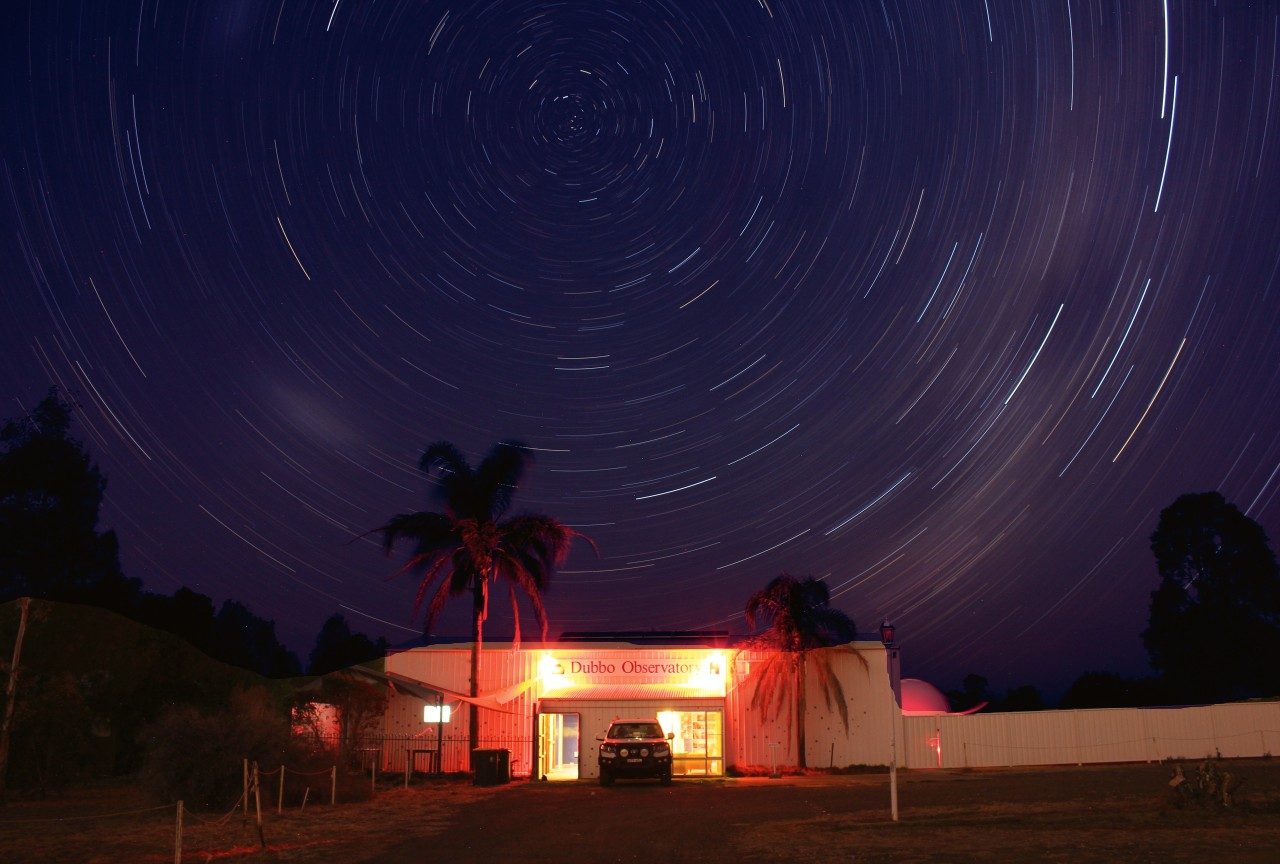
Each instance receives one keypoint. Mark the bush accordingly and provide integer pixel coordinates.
(52, 743)
(197, 756)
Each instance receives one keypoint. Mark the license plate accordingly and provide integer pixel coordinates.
(635, 760)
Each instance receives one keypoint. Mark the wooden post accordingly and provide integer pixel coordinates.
(11, 688)
(177, 836)
(280, 796)
(333, 785)
(245, 782)
(257, 800)
(408, 757)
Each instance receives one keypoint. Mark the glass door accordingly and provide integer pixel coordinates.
(558, 741)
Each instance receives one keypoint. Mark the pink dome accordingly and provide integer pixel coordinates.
(922, 698)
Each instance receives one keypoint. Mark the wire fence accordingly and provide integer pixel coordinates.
(429, 754)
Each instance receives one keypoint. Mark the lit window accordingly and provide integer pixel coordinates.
(436, 713)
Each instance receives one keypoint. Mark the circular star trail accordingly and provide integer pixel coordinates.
(942, 305)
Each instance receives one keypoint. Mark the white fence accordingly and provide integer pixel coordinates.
(1093, 735)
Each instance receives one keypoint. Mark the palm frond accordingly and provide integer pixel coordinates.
(437, 603)
(498, 477)
(829, 684)
(455, 479)
(429, 531)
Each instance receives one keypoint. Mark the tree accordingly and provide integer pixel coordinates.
(1214, 627)
(1024, 697)
(973, 692)
(356, 702)
(50, 492)
(338, 648)
(798, 618)
(469, 546)
(1109, 690)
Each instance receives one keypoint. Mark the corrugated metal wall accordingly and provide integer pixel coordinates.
(451, 668)
(1093, 735)
(864, 676)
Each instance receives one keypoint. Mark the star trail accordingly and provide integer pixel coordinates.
(941, 302)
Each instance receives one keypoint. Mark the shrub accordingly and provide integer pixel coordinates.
(197, 756)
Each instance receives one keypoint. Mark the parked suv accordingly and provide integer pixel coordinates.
(635, 749)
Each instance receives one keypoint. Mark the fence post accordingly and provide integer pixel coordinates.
(245, 794)
(280, 796)
(177, 836)
(407, 757)
(257, 801)
(333, 785)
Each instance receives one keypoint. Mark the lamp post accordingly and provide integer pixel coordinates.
(891, 656)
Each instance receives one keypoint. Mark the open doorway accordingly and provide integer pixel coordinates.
(558, 739)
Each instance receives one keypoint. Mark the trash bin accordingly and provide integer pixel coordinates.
(490, 767)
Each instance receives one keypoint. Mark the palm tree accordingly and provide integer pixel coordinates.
(797, 617)
(469, 546)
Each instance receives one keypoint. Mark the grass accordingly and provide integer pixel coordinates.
(1090, 814)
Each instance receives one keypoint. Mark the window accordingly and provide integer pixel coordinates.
(698, 746)
(436, 713)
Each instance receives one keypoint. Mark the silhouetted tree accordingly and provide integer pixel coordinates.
(1214, 628)
(50, 492)
(469, 546)
(1024, 697)
(338, 648)
(973, 690)
(251, 642)
(798, 618)
(1109, 690)
(358, 704)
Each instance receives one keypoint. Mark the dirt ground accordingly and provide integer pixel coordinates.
(1091, 814)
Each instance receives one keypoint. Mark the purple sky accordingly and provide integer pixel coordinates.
(940, 302)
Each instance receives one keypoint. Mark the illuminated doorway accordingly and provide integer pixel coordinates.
(558, 741)
(697, 749)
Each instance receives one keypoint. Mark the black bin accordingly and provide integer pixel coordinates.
(490, 767)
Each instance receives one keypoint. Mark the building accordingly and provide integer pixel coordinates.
(547, 702)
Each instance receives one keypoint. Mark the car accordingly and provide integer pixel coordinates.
(635, 749)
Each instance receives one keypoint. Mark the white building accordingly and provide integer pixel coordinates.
(547, 702)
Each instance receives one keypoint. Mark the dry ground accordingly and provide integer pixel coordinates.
(1091, 814)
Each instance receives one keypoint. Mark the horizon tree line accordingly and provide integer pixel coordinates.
(1218, 576)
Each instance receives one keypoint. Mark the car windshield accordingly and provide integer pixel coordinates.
(635, 730)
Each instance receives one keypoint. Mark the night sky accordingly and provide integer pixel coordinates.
(940, 301)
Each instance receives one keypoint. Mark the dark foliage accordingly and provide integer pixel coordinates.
(1109, 690)
(1214, 627)
(337, 648)
(973, 691)
(358, 705)
(74, 695)
(51, 548)
(196, 755)
(50, 491)
(1024, 697)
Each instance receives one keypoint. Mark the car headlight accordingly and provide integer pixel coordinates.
(644, 751)
(607, 750)
(623, 752)
(661, 750)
